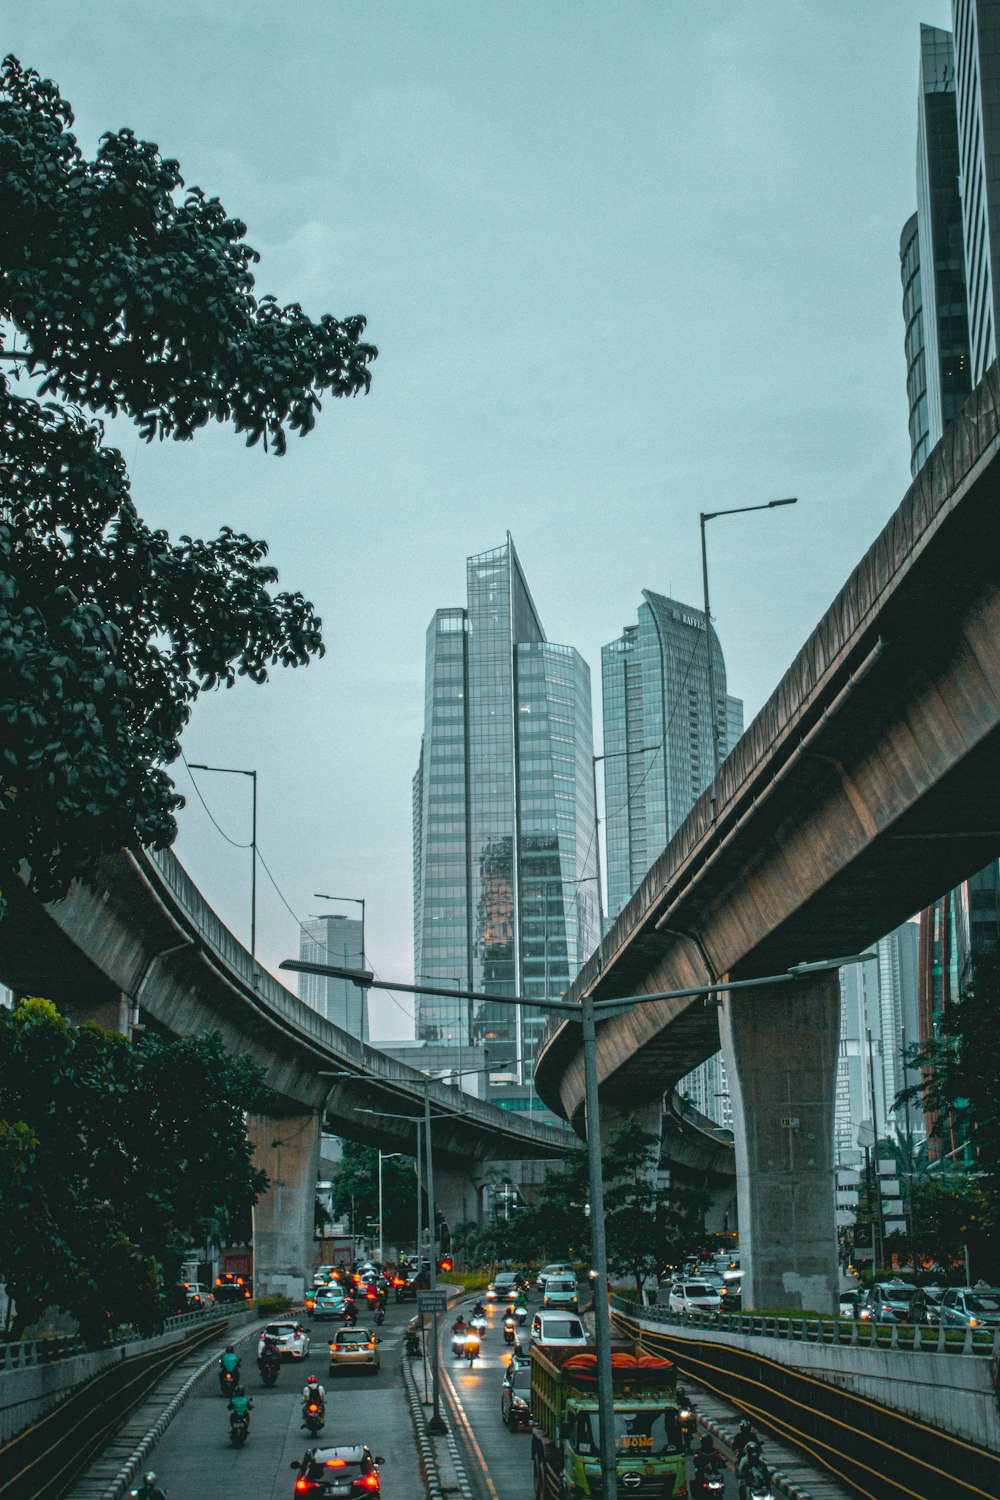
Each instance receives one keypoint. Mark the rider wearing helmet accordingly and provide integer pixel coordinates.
(313, 1391)
(707, 1457)
(459, 1325)
(744, 1434)
(149, 1489)
(240, 1406)
(750, 1462)
(230, 1361)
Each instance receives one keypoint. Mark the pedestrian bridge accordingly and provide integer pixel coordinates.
(867, 786)
(140, 946)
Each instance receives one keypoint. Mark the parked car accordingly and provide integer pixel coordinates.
(330, 1303)
(348, 1471)
(291, 1339)
(557, 1268)
(563, 1330)
(689, 1297)
(925, 1308)
(886, 1302)
(971, 1306)
(515, 1396)
(354, 1348)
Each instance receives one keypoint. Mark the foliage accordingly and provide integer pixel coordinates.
(948, 1217)
(648, 1226)
(355, 1192)
(272, 1307)
(123, 295)
(118, 1158)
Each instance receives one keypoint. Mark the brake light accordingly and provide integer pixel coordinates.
(973, 1322)
(303, 1485)
(335, 1463)
(368, 1482)
(313, 1406)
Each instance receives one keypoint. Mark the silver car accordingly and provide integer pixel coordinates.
(354, 1348)
(971, 1307)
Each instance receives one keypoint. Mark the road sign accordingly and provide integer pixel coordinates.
(432, 1302)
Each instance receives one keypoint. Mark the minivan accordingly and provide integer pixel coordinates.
(560, 1291)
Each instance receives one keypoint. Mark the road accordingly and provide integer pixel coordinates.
(195, 1459)
(498, 1462)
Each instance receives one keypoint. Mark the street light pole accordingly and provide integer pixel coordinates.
(711, 515)
(382, 1156)
(194, 765)
(599, 1247)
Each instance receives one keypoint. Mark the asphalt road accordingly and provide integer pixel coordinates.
(498, 1462)
(195, 1459)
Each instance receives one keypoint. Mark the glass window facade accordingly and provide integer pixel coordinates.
(504, 822)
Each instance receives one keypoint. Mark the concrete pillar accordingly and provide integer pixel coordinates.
(780, 1047)
(111, 1009)
(458, 1196)
(287, 1147)
(648, 1117)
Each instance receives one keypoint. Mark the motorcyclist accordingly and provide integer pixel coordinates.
(744, 1434)
(229, 1362)
(479, 1310)
(459, 1326)
(313, 1391)
(149, 1489)
(750, 1464)
(707, 1458)
(269, 1352)
(240, 1407)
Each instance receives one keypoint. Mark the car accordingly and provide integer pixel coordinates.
(886, 1302)
(515, 1396)
(560, 1291)
(688, 1297)
(504, 1287)
(231, 1293)
(292, 1339)
(849, 1303)
(406, 1288)
(562, 1330)
(322, 1274)
(348, 1470)
(971, 1307)
(330, 1303)
(557, 1268)
(925, 1308)
(199, 1296)
(353, 1348)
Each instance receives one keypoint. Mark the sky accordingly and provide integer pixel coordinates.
(624, 261)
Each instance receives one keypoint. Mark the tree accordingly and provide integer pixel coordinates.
(647, 1225)
(122, 294)
(116, 1158)
(355, 1191)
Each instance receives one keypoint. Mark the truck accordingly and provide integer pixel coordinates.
(565, 1437)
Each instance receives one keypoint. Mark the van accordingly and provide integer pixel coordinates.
(560, 1291)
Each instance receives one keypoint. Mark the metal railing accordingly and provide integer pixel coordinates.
(910, 1338)
(27, 1354)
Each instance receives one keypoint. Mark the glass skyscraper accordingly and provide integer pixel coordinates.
(339, 941)
(504, 819)
(658, 733)
(658, 760)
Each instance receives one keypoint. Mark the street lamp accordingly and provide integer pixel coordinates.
(194, 765)
(358, 901)
(712, 515)
(587, 1012)
(383, 1156)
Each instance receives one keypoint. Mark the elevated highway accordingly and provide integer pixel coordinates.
(867, 785)
(140, 947)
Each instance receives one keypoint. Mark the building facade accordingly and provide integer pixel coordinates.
(658, 759)
(339, 941)
(976, 25)
(504, 820)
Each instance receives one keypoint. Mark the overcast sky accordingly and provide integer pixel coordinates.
(624, 260)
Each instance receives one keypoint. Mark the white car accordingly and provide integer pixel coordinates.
(688, 1297)
(199, 1295)
(291, 1338)
(560, 1330)
(557, 1268)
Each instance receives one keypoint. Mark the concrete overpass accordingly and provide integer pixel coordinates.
(867, 785)
(140, 947)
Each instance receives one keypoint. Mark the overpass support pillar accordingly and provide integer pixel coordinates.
(287, 1147)
(458, 1197)
(780, 1047)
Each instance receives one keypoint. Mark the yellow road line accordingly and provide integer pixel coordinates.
(459, 1413)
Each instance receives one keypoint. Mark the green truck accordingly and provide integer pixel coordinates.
(565, 1451)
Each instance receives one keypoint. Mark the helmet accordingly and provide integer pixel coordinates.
(239, 1391)
(746, 1426)
(312, 1380)
(230, 1349)
(707, 1445)
(752, 1449)
(149, 1478)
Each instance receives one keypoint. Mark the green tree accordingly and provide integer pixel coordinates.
(950, 1218)
(648, 1226)
(355, 1191)
(117, 1158)
(122, 293)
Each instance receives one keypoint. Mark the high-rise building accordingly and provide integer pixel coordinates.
(658, 759)
(339, 941)
(504, 821)
(950, 313)
(658, 733)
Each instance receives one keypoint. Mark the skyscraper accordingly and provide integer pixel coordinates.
(504, 820)
(977, 76)
(658, 760)
(339, 941)
(658, 733)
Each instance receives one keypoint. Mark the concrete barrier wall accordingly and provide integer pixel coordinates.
(27, 1394)
(950, 1391)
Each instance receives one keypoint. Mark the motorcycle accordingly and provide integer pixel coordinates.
(755, 1484)
(228, 1381)
(269, 1368)
(458, 1339)
(471, 1348)
(379, 1318)
(239, 1429)
(314, 1416)
(710, 1484)
(520, 1314)
(350, 1315)
(479, 1324)
(509, 1329)
(686, 1415)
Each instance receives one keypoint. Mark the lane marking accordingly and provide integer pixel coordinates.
(459, 1413)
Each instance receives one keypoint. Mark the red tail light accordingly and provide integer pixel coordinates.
(302, 1485)
(313, 1406)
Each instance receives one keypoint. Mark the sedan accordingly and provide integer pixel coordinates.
(329, 1303)
(687, 1297)
(348, 1470)
(291, 1339)
(354, 1347)
(971, 1307)
(515, 1397)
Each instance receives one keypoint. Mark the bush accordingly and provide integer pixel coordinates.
(272, 1306)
